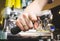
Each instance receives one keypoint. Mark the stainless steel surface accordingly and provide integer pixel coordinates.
(3, 35)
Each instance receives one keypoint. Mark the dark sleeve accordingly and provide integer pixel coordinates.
(56, 16)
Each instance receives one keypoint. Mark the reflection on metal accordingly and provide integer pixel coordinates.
(3, 35)
(46, 19)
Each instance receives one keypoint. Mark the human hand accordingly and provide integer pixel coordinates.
(27, 21)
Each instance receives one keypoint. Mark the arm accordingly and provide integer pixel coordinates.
(36, 6)
(29, 15)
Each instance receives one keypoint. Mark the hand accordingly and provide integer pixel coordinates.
(25, 21)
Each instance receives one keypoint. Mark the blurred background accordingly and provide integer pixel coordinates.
(54, 7)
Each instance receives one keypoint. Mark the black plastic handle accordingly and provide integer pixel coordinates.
(15, 30)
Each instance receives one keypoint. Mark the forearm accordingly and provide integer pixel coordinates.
(36, 6)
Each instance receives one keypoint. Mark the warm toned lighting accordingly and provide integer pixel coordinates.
(59, 12)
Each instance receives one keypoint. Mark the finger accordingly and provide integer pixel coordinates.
(23, 23)
(36, 25)
(33, 17)
(28, 22)
(31, 25)
(18, 23)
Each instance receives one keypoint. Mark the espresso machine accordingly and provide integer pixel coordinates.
(45, 31)
(13, 32)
